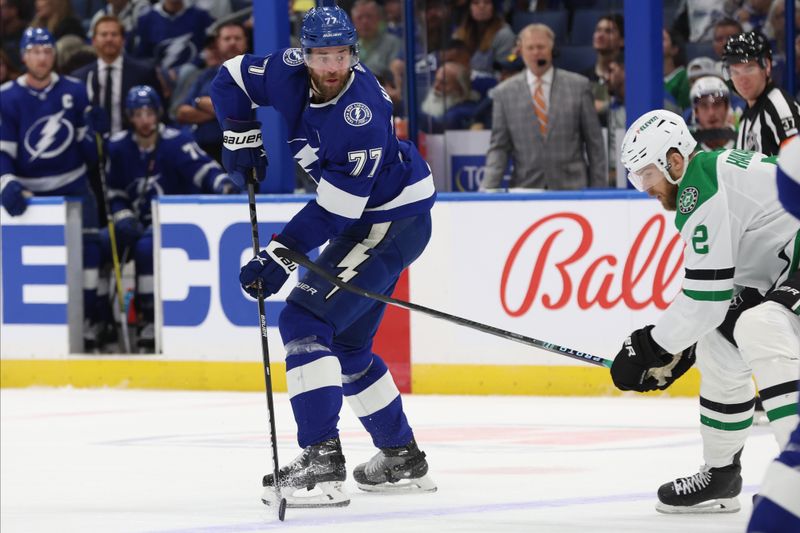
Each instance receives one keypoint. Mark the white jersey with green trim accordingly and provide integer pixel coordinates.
(737, 234)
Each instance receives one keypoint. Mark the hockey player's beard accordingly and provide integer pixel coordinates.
(669, 200)
(323, 91)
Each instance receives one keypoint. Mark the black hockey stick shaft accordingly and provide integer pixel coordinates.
(262, 322)
(112, 236)
(510, 335)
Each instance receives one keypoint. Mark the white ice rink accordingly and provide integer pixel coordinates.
(144, 461)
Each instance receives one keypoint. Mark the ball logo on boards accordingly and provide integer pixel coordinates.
(293, 57)
(357, 114)
(607, 282)
(688, 200)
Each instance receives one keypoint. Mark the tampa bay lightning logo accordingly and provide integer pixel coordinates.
(357, 114)
(176, 51)
(293, 57)
(49, 136)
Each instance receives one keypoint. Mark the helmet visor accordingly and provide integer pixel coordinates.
(646, 178)
(332, 58)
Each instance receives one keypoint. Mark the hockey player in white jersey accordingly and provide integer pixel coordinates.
(45, 148)
(737, 235)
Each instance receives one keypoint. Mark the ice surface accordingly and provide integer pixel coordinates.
(152, 461)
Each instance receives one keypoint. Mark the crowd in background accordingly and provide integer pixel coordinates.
(465, 48)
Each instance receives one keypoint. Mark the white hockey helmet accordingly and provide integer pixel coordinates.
(647, 142)
(709, 86)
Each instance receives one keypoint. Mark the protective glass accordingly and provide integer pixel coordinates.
(326, 60)
(646, 178)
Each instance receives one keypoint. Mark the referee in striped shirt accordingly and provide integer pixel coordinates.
(771, 115)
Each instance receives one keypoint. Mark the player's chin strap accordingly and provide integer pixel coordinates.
(305, 262)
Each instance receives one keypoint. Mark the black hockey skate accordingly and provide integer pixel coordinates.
(712, 490)
(313, 479)
(394, 470)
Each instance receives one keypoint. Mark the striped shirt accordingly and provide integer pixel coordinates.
(773, 118)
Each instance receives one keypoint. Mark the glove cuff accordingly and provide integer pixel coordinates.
(122, 214)
(287, 265)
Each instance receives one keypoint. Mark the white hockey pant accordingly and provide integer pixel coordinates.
(768, 336)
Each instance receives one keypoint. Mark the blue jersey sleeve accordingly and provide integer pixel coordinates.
(85, 137)
(195, 165)
(239, 86)
(9, 135)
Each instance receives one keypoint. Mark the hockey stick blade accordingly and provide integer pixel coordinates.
(305, 262)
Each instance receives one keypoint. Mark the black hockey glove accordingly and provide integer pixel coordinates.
(638, 355)
(667, 375)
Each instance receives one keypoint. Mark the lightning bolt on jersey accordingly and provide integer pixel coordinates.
(44, 143)
(788, 176)
(171, 40)
(177, 165)
(347, 145)
(736, 234)
(774, 117)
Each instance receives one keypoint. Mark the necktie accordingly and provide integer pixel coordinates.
(107, 92)
(540, 106)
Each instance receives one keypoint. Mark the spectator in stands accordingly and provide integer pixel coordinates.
(8, 72)
(218, 9)
(711, 124)
(508, 66)
(676, 83)
(696, 19)
(110, 78)
(186, 74)
(450, 104)
(196, 109)
(393, 12)
(486, 35)
(376, 47)
(480, 82)
(724, 29)
(12, 24)
(57, 17)
(170, 35)
(753, 14)
(701, 67)
(72, 52)
(544, 119)
(608, 40)
(128, 13)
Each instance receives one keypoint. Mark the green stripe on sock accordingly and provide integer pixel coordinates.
(782, 412)
(726, 426)
(709, 296)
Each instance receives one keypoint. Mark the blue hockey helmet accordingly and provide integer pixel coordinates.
(142, 96)
(35, 37)
(328, 26)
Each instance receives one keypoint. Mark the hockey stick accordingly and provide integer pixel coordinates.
(123, 319)
(304, 261)
(262, 321)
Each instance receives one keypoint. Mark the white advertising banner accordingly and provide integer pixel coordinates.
(201, 245)
(576, 269)
(580, 271)
(40, 267)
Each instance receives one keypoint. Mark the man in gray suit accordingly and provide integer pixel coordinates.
(544, 118)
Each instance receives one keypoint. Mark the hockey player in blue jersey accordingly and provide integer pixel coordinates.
(146, 161)
(777, 505)
(45, 147)
(372, 205)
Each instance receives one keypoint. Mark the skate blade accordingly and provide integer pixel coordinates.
(327, 494)
(406, 486)
(720, 505)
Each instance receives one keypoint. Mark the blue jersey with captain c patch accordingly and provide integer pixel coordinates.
(347, 145)
(44, 142)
